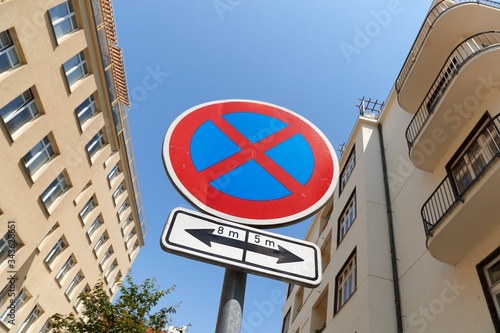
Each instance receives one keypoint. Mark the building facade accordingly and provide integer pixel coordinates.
(70, 205)
(411, 238)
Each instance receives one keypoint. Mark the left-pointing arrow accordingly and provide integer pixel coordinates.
(207, 236)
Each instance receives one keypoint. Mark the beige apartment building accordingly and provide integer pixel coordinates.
(410, 240)
(70, 206)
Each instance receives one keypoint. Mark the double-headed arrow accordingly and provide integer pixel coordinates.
(207, 236)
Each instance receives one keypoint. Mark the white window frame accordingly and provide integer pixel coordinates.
(68, 265)
(39, 155)
(130, 235)
(47, 326)
(116, 280)
(348, 169)
(81, 65)
(31, 319)
(493, 286)
(19, 301)
(119, 190)
(346, 282)
(74, 283)
(98, 222)
(56, 250)
(109, 252)
(78, 301)
(27, 106)
(89, 207)
(95, 144)
(8, 50)
(70, 16)
(347, 218)
(114, 173)
(86, 110)
(123, 206)
(55, 190)
(110, 270)
(100, 242)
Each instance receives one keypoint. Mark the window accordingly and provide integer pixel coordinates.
(94, 226)
(30, 320)
(19, 301)
(489, 275)
(113, 173)
(86, 110)
(475, 155)
(76, 68)
(123, 206)
(126, 224)
(348, 168)
(8, 54)
(9, 242)
(119, 190)
(116, 280)
(65, 269)
(105, 257)
(63, 19)
(89, 206)
(55, 190)
(74, 283)
(111, 269)
(135, 246)
(78, 302)
(346, 282)
(104, 237)
(39, 155)
(286, 322)
(347, 217)
(130, 235)
(95, 144)
(20, 111)
(46, 327)
(56, 250)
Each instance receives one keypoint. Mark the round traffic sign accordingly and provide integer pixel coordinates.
(250, 162)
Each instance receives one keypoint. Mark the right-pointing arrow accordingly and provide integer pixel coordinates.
(207, 236)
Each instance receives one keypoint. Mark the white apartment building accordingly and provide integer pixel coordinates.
(411, 238)
(70, 204)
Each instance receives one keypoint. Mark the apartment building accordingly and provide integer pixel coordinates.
(411, 238)
(70, 204)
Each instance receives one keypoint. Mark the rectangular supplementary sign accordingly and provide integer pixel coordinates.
(220, 242)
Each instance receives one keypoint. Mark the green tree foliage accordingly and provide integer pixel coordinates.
(130, 313)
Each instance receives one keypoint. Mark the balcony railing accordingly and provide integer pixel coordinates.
(433, 15)
(473, 163)
(460, 55)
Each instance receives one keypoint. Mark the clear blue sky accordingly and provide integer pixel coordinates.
(313, 57)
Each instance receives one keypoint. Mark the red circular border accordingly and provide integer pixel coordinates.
(189, 182)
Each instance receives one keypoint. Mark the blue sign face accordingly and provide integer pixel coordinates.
(250, 162)
(250, 180)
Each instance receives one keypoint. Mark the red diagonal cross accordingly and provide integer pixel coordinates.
(253, 151)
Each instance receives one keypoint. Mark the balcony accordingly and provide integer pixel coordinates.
(467, 79)
(446, 24)
(463, 209)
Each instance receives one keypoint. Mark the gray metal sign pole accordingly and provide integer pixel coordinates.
(231, 302)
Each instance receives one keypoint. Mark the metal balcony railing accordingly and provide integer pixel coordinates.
(459, 56)
(469, 167)
(433, 15)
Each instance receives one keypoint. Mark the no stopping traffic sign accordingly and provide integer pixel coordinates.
(250, 162)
